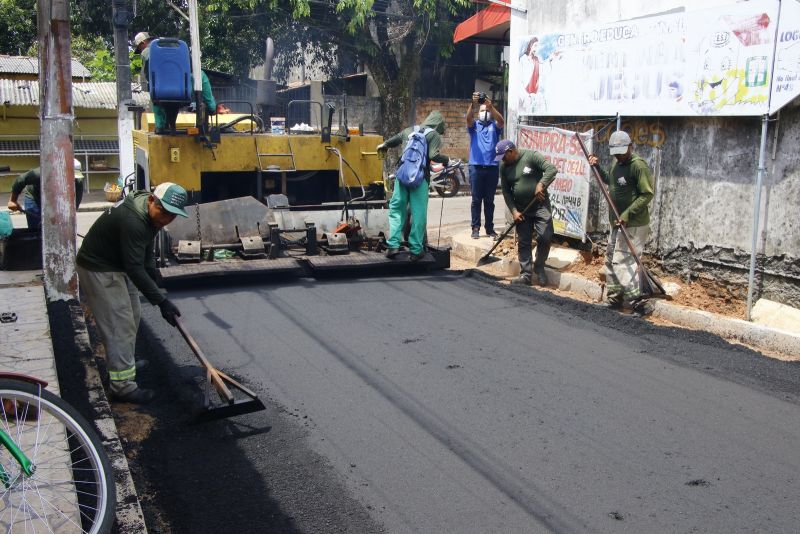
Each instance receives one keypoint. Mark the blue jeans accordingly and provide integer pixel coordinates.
(483, 181)
(33, 213)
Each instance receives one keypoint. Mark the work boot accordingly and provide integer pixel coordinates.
(137, 396)
(416, 257)
(392, 252)
(541, 276)
(613, 303)
(522, 280)
(643, 308)
(476, 234)
(491, 233)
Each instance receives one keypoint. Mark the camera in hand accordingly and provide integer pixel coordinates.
(481, 98)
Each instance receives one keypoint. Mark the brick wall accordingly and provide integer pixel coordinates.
(456, 139)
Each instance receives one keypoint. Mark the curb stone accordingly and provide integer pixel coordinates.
(129, 517)
(755, 335)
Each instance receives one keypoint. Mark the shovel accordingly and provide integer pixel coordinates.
(220, 381)
(487, 258)
(648, 281)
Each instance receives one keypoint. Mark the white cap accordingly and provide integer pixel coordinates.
(78, 168)
(618, 142)
(140, 38)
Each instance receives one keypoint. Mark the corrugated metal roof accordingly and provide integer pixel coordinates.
(30, 65)
(90, 95)
(30, 147)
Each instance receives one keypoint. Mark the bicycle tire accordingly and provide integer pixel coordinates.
(71, 466)
(453, 179)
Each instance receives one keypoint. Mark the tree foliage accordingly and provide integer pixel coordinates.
(387, 36)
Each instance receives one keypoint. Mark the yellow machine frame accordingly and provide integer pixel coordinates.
(184, 159)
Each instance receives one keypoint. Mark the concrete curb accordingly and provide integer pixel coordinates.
(129, 512)
(745, 332)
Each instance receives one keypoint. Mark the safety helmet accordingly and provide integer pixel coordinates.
(140, 38)
(78, 168)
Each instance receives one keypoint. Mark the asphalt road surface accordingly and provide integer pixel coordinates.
(440, 403)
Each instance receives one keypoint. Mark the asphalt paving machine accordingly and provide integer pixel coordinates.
(264, 199)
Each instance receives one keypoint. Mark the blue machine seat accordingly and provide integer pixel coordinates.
(170, 71)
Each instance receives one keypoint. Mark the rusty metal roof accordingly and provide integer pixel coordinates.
(91, 95)
(30, 65)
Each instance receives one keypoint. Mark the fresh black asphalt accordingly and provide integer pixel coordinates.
(440, 403)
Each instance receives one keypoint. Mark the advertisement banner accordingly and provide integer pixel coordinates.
(569, 192)
(786, 77)
(709, 62)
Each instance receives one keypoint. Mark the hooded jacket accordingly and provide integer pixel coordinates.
(435, 122)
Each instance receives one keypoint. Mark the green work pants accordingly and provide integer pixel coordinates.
(114, 301)
(417, 199)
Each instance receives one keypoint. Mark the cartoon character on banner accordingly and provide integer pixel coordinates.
(718, 79)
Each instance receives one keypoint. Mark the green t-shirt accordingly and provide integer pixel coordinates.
(121, 240)
(518, 180)
(631, 188)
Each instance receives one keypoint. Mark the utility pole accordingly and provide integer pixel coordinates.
(56, 160)
(122, 17)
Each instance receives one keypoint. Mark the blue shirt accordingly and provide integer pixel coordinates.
(482, 139)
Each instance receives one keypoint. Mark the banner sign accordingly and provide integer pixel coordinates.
(709, 62)
(569, 192)
(786, 77)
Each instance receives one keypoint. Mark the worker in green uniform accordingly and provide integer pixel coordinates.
(630, 186)
(525, 176)
(167, 114)
(416, 198)
(114, 263)
(28, 184)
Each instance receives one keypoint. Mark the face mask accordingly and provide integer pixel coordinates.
(484, 116)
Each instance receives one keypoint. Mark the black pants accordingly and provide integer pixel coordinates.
(539, 219)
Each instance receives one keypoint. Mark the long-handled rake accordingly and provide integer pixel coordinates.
(488, 258)
(220, 381)
(648, 282)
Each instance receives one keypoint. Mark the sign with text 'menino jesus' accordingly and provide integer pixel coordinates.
(569, 192)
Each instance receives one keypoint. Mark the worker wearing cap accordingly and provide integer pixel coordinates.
(114, 264)
(29, 185)
(525, 176)
(141, 45)
(630, 186)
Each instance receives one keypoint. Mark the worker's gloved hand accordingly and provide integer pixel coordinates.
(169, 311)
(381, 148)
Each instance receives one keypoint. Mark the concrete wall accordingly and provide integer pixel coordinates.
(360, 110)
(22, 123)
(705, 169)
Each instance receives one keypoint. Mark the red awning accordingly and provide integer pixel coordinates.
(491, 25)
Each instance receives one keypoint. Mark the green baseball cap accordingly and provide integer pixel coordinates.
(173, 197)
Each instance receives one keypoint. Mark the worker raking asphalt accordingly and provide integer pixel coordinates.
(446, 403)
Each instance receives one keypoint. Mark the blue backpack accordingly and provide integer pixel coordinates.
(411, 172)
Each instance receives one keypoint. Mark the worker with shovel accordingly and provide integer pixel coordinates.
(524, 178)
(630, 186)
(114, 263)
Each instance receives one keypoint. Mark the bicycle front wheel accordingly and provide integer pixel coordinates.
(71, 486)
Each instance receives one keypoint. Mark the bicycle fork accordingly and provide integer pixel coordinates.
(24, 462)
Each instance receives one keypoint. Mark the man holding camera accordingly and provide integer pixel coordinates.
(483, 136)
